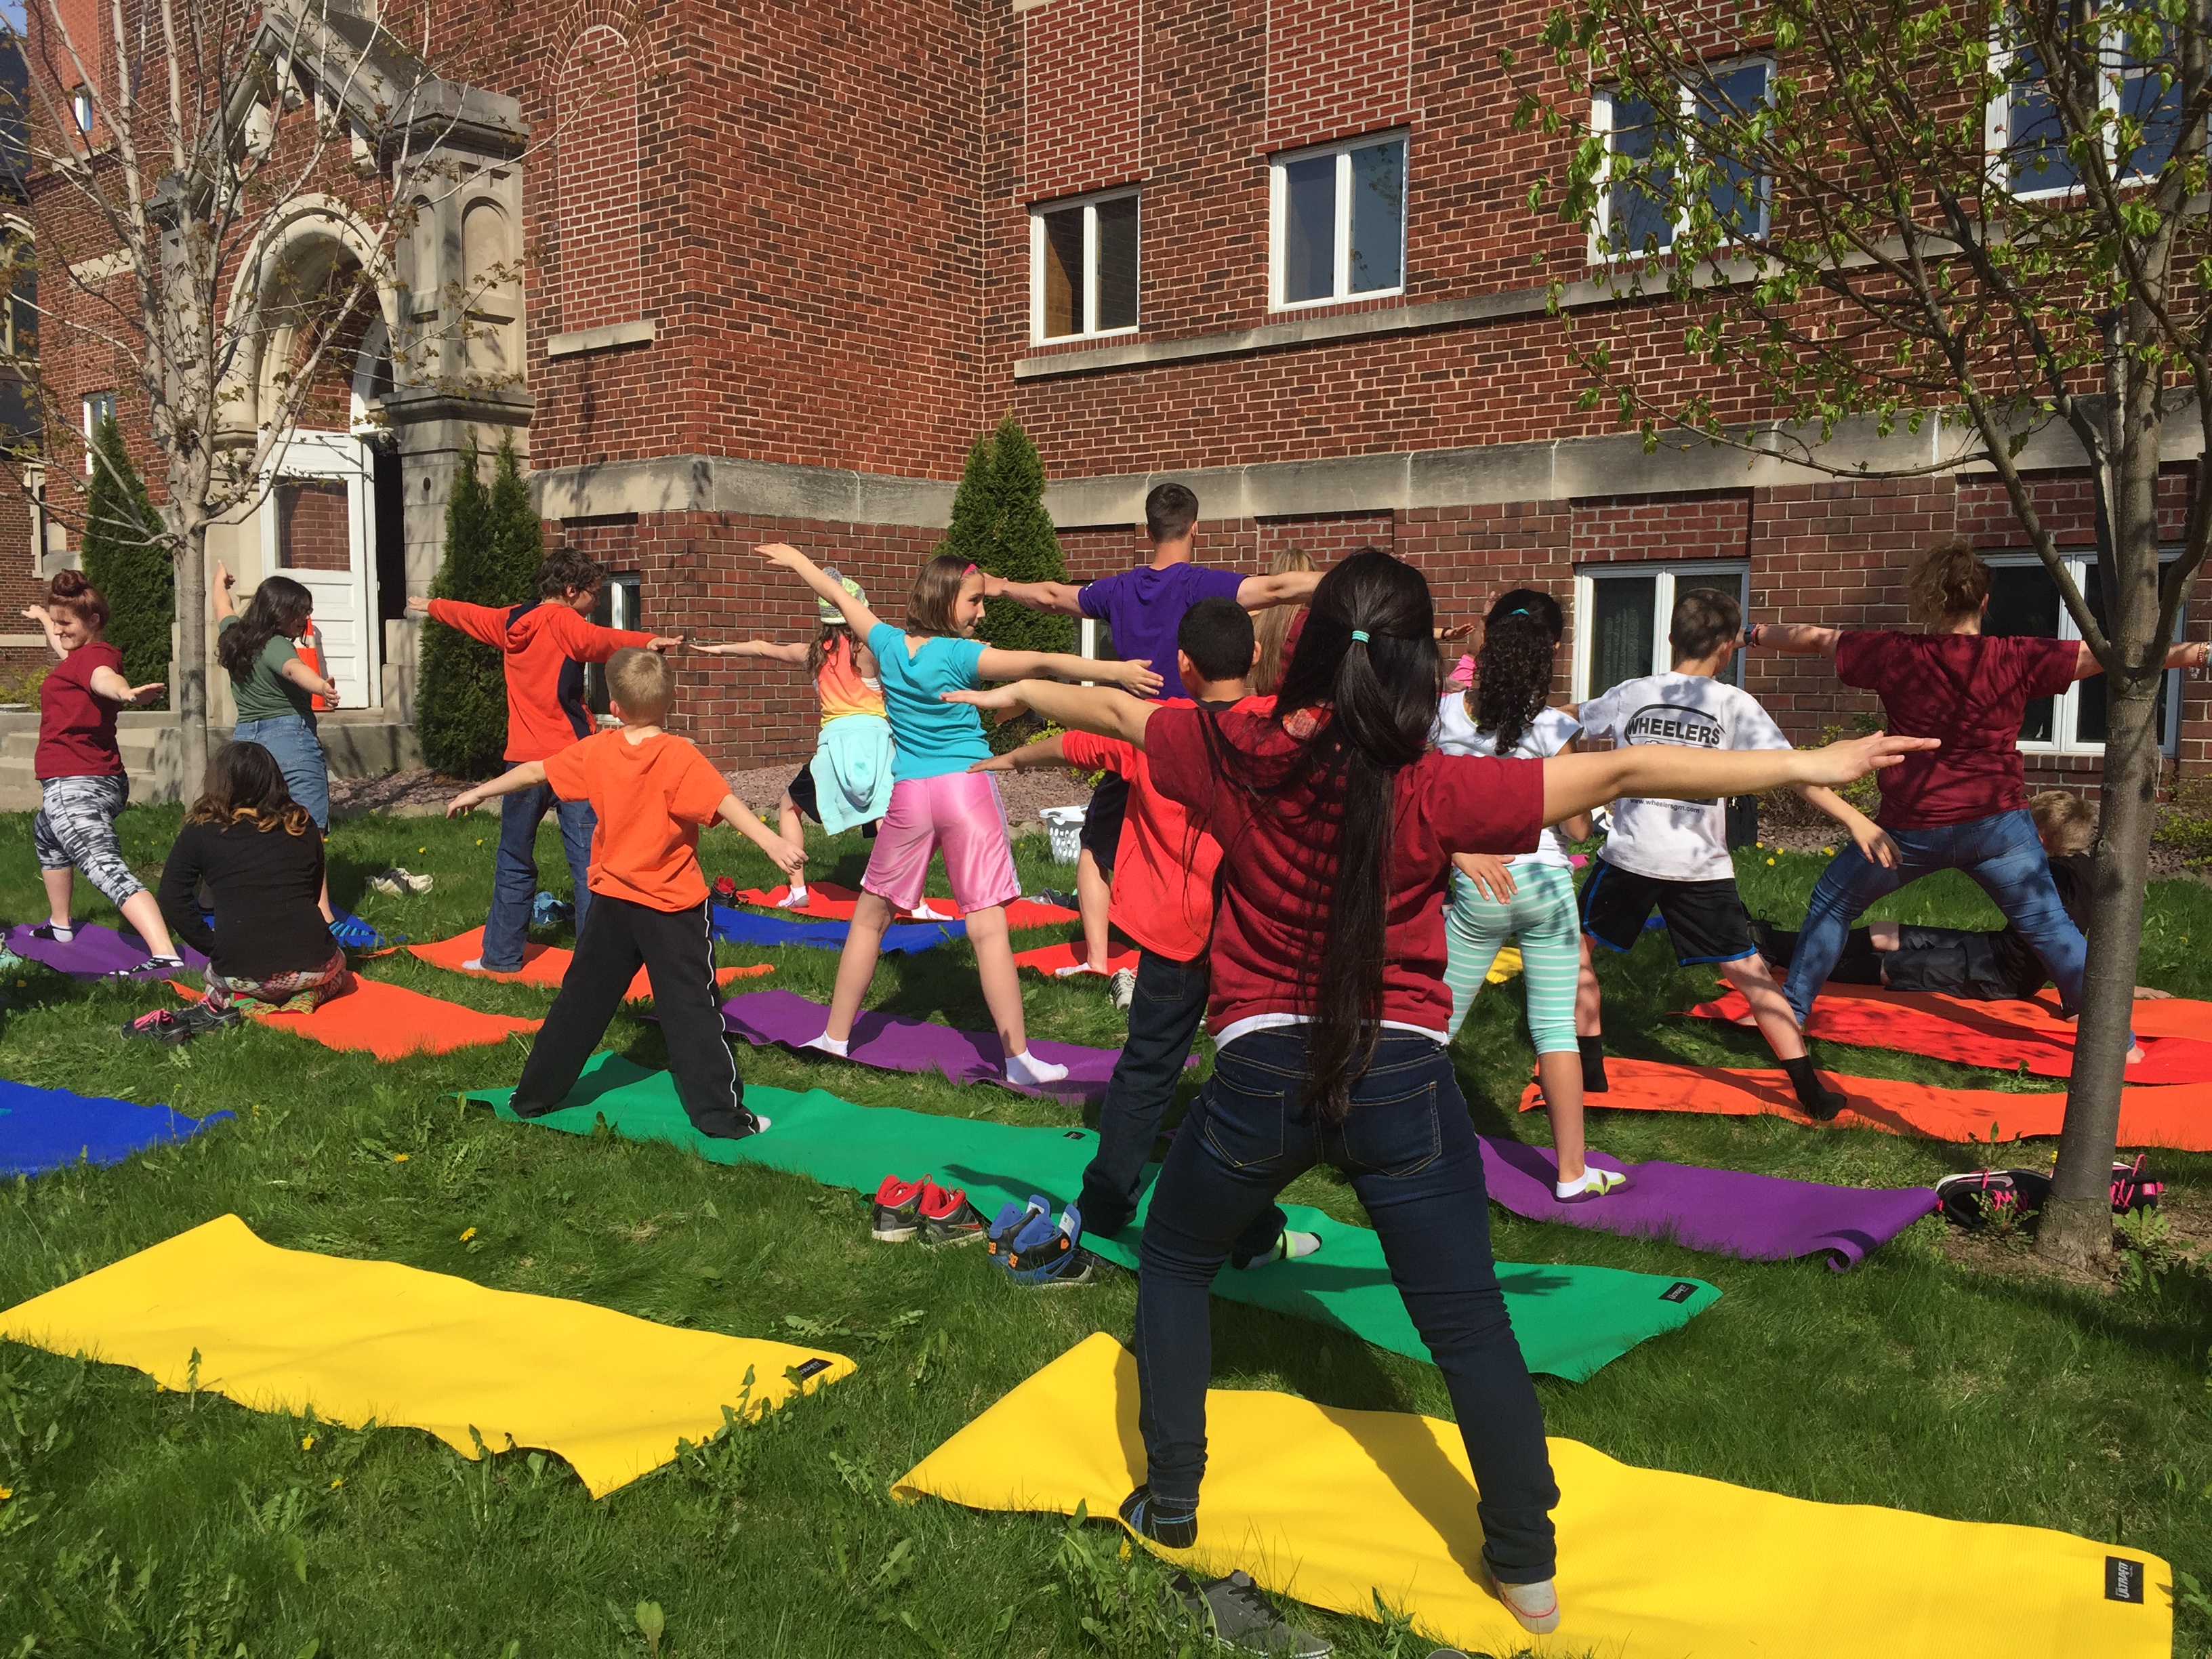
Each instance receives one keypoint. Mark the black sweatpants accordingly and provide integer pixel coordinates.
(677, 948)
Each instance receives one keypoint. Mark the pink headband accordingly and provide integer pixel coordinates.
(968, 572)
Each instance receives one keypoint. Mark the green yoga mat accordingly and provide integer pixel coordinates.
(1570, 1320)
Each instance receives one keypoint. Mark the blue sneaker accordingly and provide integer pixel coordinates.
(546, 911)
(350, 931)
(1042, 1255)
(1013, 1215)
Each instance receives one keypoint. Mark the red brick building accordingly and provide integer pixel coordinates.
(782, 262)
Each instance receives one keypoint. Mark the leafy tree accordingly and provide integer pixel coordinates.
(460, 702)
(1000, 524)
(1965, 234)
(126, 557)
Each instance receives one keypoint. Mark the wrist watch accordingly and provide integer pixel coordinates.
(1750, 634)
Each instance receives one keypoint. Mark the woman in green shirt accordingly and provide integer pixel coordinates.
(274, 691)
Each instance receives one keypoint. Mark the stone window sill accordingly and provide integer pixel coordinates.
(643, 332)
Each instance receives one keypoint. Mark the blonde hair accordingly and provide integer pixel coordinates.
(1272, 626)
(2067, 823)
(1949, 582)
(641, 681)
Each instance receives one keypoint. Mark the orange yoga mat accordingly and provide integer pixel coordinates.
(1064, 961)
(2007, 1036)
(827, 901)
(390, 1021)
(547, 964)
(2178, 1118)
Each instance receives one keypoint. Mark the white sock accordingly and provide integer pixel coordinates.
(63, 932)
(1026, 1067)
(1289, 1246)
(830, 1045)
(921, 912)
(1591, 1180)
(795, 897)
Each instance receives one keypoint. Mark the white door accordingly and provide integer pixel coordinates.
(317, 527)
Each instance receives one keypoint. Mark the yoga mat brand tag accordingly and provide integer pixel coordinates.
(1680, 1291)
(2124, 1579)
(816, 1367)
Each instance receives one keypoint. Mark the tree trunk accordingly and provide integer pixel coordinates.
(190, 699)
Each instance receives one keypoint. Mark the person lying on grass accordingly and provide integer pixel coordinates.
(650, 793)
(1338, 823)
(260, 855)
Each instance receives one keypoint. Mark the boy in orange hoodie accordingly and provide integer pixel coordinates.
(651, 792)
(546, 643)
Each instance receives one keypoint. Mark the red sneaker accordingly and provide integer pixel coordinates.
(947, 1217)
(899, 1204)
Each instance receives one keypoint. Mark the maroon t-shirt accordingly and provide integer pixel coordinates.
(1971, 691)
(76, 729)
(1277, 876)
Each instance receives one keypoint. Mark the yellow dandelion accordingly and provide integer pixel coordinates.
(399, 1157)
(1827, 852)
(336, 1484)
(479, 841)
(469, 1234)
(306, 1443)
(422, 849)
(6, 1493)
(1770, 860)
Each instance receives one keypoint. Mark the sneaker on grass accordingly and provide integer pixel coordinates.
(1237, 1613)
(174, 1026)
(1122, 987)
(947, 1217)
(898, 1210)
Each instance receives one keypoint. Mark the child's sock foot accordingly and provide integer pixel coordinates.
(59, 932)
(795, 899)
(829, 1045)
(1027, 1068)
(1290, 1245)
(1593, 1051)
(1592, 1182)
(1822, 1103)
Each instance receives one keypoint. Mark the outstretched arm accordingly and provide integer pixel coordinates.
(997, 664)
(223, 580)
(38, 614)
(1061, 598)
(774, 650)
(1793, 639)
(1046, 751)
(858, 617)
(792, 860)
(2192, 655)
(1575, 783)
(106, 683)
(1098, 709)
(525, 776)
(1264, 592)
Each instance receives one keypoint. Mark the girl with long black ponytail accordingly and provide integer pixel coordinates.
(1338, 823)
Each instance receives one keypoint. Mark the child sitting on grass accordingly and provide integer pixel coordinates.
(651, 792)
(261, 857)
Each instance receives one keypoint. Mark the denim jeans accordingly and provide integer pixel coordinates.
(1411, 1152)
(515, 877)
(2004, 857)
(298, 753)
(1164, 1019)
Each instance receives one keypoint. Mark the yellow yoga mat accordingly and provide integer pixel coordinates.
(1333, 1507)
(284, 1330)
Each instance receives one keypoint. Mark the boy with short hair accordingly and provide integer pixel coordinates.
(1163, 898)
(1143, 607)
(651, 792)
(545, 643)
(1675, 853)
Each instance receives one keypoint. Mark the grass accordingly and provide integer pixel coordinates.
(144, 1522)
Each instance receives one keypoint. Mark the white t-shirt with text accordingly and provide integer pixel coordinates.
(1549, 733)
(1677, 840)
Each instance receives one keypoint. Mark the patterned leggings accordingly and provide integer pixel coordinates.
(1541, 912)
(76, 825)
(299, 993)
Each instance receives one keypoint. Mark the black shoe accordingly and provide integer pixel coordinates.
(1236, 1614)
(1177, 1528)
(44, 930)
(897, 1215)
(181, 1025)
(154, 965)
(1065, 901)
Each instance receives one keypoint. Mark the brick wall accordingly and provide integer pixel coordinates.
(1082, 81)
(313, 525)
(597, 268)
(1336, 68)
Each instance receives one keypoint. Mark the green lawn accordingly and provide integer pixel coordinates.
(170, 1524)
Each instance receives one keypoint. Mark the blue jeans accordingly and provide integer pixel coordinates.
(1411, 1152)
(1163, 1020)
(2005, 858)
(515, 877)
(291, 738)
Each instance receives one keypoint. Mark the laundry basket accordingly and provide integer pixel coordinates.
(1064, 825)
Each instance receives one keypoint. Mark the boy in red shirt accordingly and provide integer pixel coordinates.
(546, 643)
(1163, 870)
(651, 792)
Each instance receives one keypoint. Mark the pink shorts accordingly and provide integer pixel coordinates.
(959, 813)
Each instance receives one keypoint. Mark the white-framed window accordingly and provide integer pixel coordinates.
(2024, 601)
(1631, 219)
(617, 606)
(1082, 267)
(99, 406)
(1621, 613)
(1337, 222)
(81, 108)
(2026, 139)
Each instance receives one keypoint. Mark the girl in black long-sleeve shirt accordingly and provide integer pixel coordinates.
(261, 856)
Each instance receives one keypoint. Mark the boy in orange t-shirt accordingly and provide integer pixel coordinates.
(1163, 898)
(651, 792)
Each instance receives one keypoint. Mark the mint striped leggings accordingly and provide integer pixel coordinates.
(1541, 914)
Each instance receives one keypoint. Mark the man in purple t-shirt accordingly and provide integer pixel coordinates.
(1143, 607)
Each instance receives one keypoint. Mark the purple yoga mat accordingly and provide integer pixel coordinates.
(1763, 1217)
(95, 952)
(896, 1043)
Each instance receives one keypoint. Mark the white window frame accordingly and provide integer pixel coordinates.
(81, 108)
(2067, 712)
(1279, 208)
(98, 406)
(1090, 329)
(1670, 574)
(625, 596)
(1600, 249)
(1997, 119)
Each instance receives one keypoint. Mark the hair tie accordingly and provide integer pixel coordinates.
(1521, 610)
(1359, 634)
(968, 572)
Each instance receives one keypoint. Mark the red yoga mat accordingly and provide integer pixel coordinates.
(1066, 961)
(546, 964)
(2003, 1035)
(2178, 1118)
(390, 1021)
(827, 901)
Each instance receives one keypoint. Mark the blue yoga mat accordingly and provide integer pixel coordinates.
(43, 1129)
(743, 927)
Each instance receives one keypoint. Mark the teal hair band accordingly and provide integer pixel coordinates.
(1359, 634)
